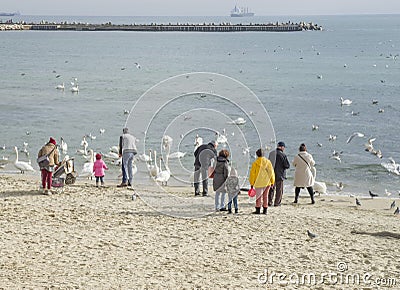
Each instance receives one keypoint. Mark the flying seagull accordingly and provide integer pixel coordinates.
(372, 194)
(355, 134)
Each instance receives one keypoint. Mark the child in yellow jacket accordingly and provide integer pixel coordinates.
(262, 176)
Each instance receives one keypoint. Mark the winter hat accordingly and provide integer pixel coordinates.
(125, 130)
(98, 156)
(52, 140)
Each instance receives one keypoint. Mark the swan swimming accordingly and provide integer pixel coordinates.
(345, 102)
(60, 87)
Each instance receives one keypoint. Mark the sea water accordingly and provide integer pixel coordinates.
(298, 76)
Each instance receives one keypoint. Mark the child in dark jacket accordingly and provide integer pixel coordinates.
(233, 189)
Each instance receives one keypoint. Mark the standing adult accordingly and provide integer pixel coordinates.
(203, 156)
(262, 176)
(280, 163)
(124, 177)
(50, 149)
(304, 173)
(128, 153)
(221, 173)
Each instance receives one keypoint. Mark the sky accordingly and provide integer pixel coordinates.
(197, 7)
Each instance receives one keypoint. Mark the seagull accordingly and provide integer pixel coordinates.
(393, 204)
(102, 131)
(355, 134)
(381, 111)
(238, 121)
(388, 193)
(315, 127)
(374, 102)
(368, 146)
(339, 185)
(397, 211)
(319, 144)
(358, 202)
(332, 137)
(311, 235)
(336, 156)
(372, 194)
(345, 102)
(138, 66)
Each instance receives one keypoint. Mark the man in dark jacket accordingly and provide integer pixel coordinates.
(281, 163)
(203, 156)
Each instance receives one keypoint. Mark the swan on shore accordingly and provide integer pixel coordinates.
(87, 170)
(22, 165)
(164, 175)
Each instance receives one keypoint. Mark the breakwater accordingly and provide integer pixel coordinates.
(153, 27)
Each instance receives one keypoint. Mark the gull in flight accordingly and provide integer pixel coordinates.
(138, 66)
(355, 134)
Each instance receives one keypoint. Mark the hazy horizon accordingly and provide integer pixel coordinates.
(196, 8)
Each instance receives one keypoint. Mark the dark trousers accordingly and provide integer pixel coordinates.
(277, 189)
(198, 170)
(101, 178)
(310, 192)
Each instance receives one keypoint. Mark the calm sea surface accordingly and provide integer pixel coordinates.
(299, 77)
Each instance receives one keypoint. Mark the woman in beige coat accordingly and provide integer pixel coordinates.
(304, 175)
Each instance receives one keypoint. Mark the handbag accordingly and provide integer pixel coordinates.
(211, 172)
(44, 160)
(251, 192)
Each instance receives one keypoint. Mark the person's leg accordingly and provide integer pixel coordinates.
(235, 203)
(196, 178)
(44, 177)
(265, 199)
(49, 179)
(102, 180)
(296, 194)
(216, 200)
(259, 196)
(222, 203)
(271, 195)
(130, 169)
(124, 177)
(97, 181)
(204, 176)
(230, 197)
(278, 193)
(311, 193)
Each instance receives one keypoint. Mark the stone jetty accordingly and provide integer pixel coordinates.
(154, 27)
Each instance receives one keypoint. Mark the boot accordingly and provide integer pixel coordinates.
(296, 197)
(257, 210)
(312, 198)
(229, 211)
(97, 184)
(265, 210)
(236, 210)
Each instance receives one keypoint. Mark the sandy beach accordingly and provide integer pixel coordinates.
(99, 238)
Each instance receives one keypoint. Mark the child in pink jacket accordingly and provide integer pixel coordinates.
(98, 168)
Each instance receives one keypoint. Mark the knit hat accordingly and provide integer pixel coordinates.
(98, 156)
(125, 130)
(52, 140)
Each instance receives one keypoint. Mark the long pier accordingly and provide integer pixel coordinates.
(178, 27)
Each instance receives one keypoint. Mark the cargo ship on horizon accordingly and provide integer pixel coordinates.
(9, 14)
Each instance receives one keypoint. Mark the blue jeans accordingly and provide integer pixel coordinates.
(219, 195)
(127, 160)
(233, 197)
(124, 178)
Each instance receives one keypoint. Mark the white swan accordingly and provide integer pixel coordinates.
(111, 155)
(60, 87)
(176, 155)
(144, 157)
(64, 146)
(75, 89)
(221, 138)
(87, 170)
(345, 102)
(238, 121)
(153, 169)
(114, 149)
(164, 175)
(197, 141)
(22, 165)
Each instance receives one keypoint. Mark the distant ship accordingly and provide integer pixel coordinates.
(9, 14)
(241, 12)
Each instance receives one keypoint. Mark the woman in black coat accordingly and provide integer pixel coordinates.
(221, 173)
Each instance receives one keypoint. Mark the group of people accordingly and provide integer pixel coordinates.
(127, 151)
(266, 176)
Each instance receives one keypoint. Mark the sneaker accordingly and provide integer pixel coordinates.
(47, 192)
(122, 185)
